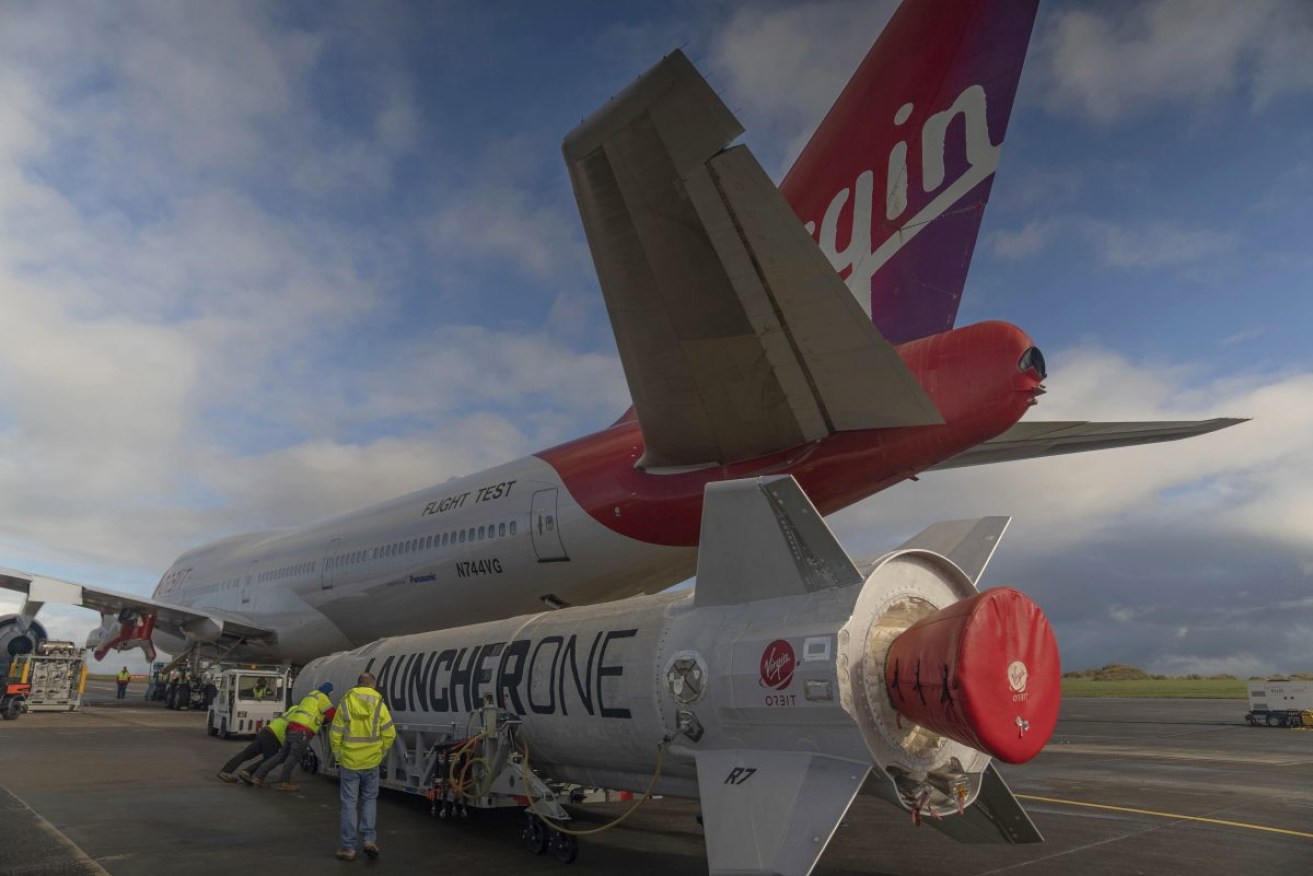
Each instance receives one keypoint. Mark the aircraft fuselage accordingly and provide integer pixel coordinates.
(575, 524)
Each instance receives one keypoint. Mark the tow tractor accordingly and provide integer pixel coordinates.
(247, 699)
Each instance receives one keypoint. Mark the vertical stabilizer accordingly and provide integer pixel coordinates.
(894, 182)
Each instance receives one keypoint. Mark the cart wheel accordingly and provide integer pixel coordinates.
(535, 835)
(14, 708)
(310, 761)
(565, 847)
(209, 726)
(1274, 720)
(223, 729)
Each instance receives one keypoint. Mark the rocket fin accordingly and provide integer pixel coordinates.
(968, 543)
(772, 811)
(995, 817)
(762, 538)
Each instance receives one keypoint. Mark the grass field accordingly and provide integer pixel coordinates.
(1166, 688)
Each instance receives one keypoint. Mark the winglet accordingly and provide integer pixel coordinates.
(763, 538)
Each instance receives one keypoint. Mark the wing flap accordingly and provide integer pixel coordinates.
(1031, 440)
(737, 337)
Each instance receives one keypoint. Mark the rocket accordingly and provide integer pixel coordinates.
(786, 682)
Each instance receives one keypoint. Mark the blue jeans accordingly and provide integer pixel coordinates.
(359, 788)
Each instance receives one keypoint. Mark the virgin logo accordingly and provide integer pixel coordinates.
(777, 663)
(861, 257)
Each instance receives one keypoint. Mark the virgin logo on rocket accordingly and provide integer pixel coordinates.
(777, 663)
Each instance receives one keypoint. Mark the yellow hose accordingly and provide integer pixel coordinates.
(647, 795)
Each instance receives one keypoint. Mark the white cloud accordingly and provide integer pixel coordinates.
(1026, 241)
(1111, 62)
(1160, 244)
(187, 354)
(787, 64)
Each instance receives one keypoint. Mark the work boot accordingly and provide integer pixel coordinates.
(288, 786)
(245, 776)
(258, 782)
(371, 850)
(346, 854)
(227, 777)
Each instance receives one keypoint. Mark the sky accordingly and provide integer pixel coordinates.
(262, 263)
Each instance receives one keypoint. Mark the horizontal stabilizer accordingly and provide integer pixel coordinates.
(995, 817)
(737, 337)
(772, 811)
(968, 543)
(762, 538)
(1030, 440)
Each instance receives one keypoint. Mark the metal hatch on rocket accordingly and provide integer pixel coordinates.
(787, 682)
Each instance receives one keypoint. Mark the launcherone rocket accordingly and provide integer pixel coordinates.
(786, 682)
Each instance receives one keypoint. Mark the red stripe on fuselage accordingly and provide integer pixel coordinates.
(971, 374)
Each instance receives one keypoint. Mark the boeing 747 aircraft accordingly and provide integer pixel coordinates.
(806, 329)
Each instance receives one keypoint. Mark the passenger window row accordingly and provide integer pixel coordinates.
(437, 541)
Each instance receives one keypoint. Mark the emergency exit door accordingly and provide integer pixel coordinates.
(546, 528)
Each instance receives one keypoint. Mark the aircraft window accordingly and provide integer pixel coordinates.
(480, 533)
(444, 539)
(512, 527)
(462, 536)
(428, 542)
(471, 533)
(501, 530)
(413, 545)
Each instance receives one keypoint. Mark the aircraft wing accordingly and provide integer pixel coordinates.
(187, 623)
(1029, 440)
(737, 336)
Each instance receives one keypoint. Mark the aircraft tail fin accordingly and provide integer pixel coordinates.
(894, 182)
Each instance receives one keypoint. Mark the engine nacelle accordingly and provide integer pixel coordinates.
(19, 635)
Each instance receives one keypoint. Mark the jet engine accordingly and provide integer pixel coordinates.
(19, 635)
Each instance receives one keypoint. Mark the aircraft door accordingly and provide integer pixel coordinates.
(246, 592)
(326, 573)
(545, 525)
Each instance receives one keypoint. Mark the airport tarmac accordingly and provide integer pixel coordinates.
(1125, 787)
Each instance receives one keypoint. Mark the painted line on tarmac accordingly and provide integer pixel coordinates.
(1175, 816)
(79, 856)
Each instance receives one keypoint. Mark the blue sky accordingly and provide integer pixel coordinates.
(262, 263)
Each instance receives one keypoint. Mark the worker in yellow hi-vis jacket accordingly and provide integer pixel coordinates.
(361, 735)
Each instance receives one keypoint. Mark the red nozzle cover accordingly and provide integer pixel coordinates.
(984, 671)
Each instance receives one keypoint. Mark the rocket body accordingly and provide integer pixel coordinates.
(775, 688)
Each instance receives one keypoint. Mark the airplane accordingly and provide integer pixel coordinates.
(806, 329)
